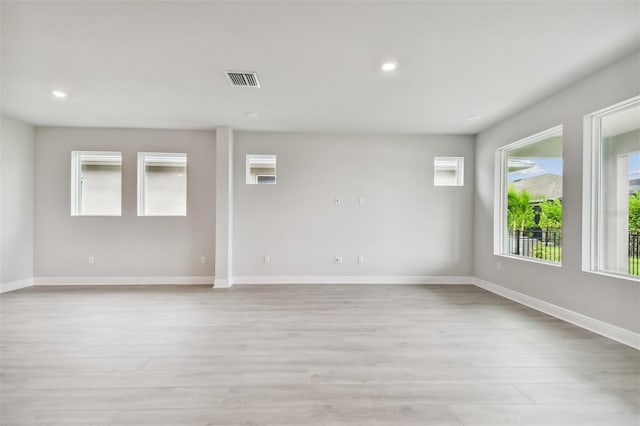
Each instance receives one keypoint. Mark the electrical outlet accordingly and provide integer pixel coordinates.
(361, 201)
(267, 260)
(498, 266)
(337, 259)
(203, 259)
(360, 259)
(338, 201)
(92, 260)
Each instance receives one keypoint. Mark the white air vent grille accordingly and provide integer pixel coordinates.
(243, 79)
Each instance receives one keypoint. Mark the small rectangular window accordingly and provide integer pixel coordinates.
(96, 183)
(448, 171)
(611, 221)
(162, 184)
(528, 210)
(261, 169)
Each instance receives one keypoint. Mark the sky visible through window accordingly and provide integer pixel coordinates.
(634, 172)
(540, 166)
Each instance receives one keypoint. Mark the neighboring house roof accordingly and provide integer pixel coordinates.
(542, 187)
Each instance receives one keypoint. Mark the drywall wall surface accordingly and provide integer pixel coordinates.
(17, 156)
(390, 213)
(612, 300)
(127, 245)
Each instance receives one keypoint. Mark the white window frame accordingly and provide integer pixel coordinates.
(76, 186)
(141, 182)
(459, 168)
(500, 229)
(247, 168)
(591, 189)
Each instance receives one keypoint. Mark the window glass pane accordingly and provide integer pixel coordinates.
(448, 171)
(532, 213)
(261, 169)
(619, 209)
(96, 183)
(163, 184)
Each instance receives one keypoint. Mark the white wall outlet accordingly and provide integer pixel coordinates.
(361, 201)
(338, 201)
(267, 260)
(203, 259)
(360, 259)
(92, 260)
(498, 266)
(337, 259)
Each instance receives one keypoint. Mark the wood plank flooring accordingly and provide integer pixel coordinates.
(303, 355)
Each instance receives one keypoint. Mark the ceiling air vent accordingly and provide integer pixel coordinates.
(243, 79)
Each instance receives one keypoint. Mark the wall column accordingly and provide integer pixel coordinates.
(224, 208)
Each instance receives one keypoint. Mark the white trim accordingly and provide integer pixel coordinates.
(532, 260)
(16, 285)
(592, 219)
(458, 168)
(347, 279)
(76, 168)
(222, 283)
(599, 327)
(166, 280)
(501, 185)
(142, 159)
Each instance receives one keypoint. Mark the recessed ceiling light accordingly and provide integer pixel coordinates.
(389, 66)
(251, 114)
(59, 94)
(473, 117)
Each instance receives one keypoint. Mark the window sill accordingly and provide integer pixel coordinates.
(531, 260)
(626, 277)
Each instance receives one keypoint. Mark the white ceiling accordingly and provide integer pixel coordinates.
(161, 64)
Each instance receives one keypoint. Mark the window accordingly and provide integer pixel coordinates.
(528, 210)
(96, 183)
(261, 169)
(162, 184)
(448, 171)
(611, 221)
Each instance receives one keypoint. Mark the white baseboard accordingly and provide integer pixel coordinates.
(610, 331)
(222, 283)
(166, 280)
(16, 285)
(347, 279)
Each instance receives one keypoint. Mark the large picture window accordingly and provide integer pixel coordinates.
(96, 183)
(528, 210)
(611, 222)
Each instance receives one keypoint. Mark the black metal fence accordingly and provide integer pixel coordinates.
(536, 243)
(547, 245)
(634, 254)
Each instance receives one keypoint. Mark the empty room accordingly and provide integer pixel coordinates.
(320, 213)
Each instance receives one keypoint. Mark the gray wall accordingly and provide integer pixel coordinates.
(612, 300)
(406, 226)
(125, 245)
(17, 156)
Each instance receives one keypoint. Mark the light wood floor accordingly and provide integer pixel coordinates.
(304, 355)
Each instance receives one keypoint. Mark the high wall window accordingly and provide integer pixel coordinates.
(261, 169)
(528, 210)
(96, 183)
(611, 222)
(448, 171)
(162, 184)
